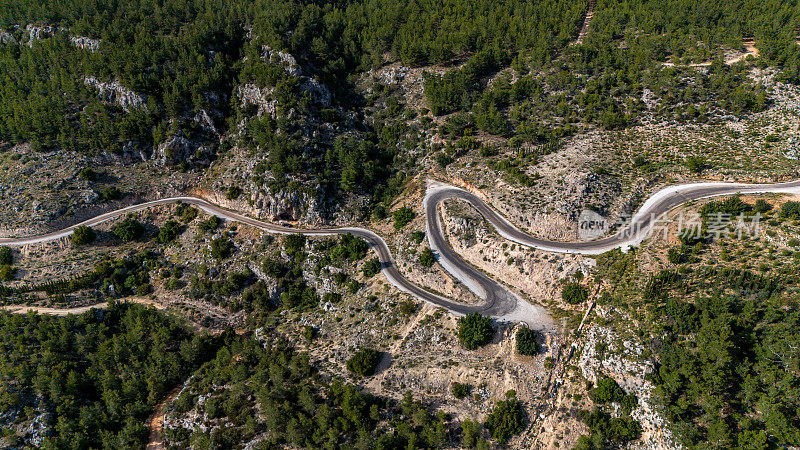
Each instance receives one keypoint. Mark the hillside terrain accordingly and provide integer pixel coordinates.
(313, 296)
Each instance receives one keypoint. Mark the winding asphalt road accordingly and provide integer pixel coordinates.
(499, 302)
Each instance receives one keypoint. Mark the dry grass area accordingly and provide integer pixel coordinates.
(44, 191)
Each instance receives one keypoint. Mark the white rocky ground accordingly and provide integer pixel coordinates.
(624, 360)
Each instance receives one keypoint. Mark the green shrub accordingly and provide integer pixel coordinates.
(733, 205)
(607, 390)
(475, 330)
(88, 174)
(295, 244)
(762, 206)
(309, 333)
(233, 193)
(506, 419)
(128, 230)
(426, 258)
(339, 278)
(332, 297)
(574, 293)
(402, 216)
(169, 232)
(7, 272)
(675, 254)
(364, 362)
(459, 390)
(408, 307)
(695, 164)
(329, 115)
(607, 431)
(221, 247)
(790, 210)
(83, 235)
(470, 432)
(378, 212)
(350, 248)
(209, 225)
(185, 212)
(173, 284)
(6, 256)
(372, 268)
(526, 342)
(417, 237)
(111, 193)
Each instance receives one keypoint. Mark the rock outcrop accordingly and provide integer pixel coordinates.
(85, 43)
(318, 92)
(250, 94)
(623, 361)
(177, 149)
(36, 32)
(282, 58)
(287, 205)
(115, 92)
(7, 38)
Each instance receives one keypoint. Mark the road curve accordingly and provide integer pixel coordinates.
(499, 302)
(633, 234)
(388, 266)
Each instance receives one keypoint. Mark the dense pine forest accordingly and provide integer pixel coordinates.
(725, 338)
(184, 56)
(94, 378)
(182, 60)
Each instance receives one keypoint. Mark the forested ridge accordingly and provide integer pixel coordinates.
(90, 381)
(188, 60)
(605, 79)
(94, 378)
(724, 338)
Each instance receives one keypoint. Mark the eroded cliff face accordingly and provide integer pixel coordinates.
(284, 205)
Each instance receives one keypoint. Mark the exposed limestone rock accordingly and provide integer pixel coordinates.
(174, 150)
(392, 74)
(36, 32)
(283, 205)
(318, 92)
(116, 93)
(177, 149)
(85, 43)
(7, 38)
(250, 94)
(205, 121)
(282, 58)
(606, 353)
(287, 205)
(132, 151)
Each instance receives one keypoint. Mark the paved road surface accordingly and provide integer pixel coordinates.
(499, 302)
